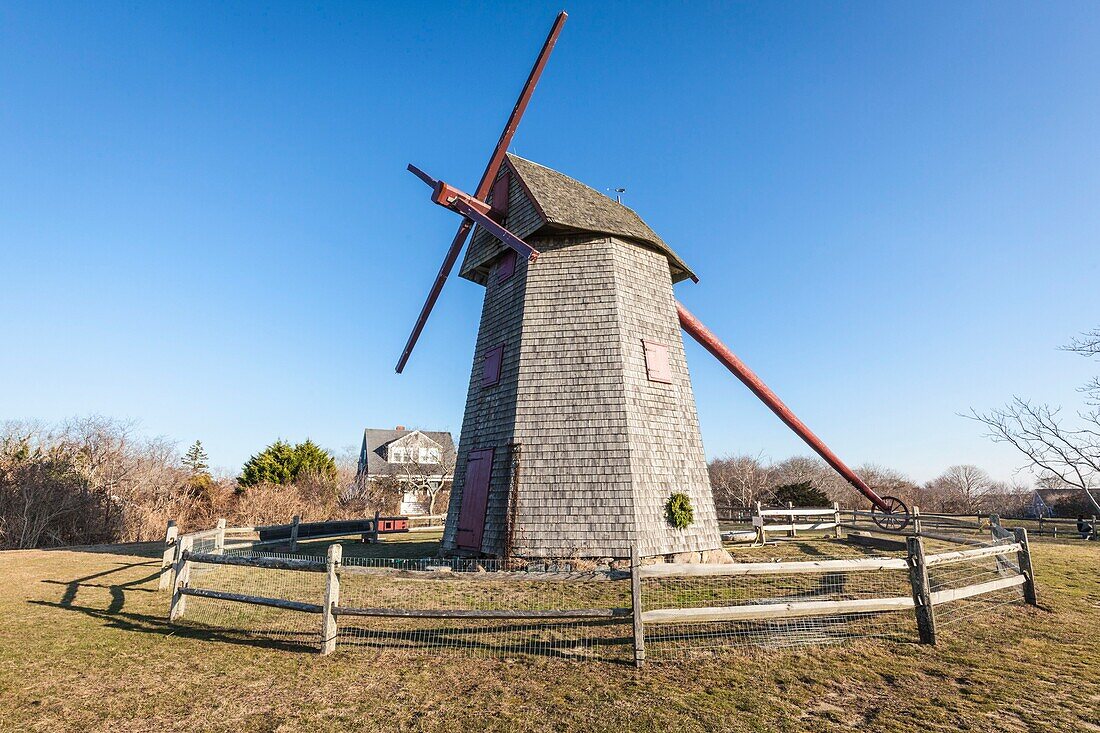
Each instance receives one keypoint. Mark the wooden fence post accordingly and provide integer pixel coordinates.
(1023, 557)
(182, 576)
(219, 538)
(791, 532)
(836, 519)
(922, 592)
(758, 524)
(377, 521)
(916, 520)
(332, 598)
(1094, 532)
(168, 558)
(636, 606)
(294, 522)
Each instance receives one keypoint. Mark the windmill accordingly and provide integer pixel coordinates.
(580, 421)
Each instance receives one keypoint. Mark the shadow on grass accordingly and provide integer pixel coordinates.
(114, 616)
(137, 549)
(147, 624)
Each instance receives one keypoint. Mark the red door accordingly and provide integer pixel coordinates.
(475, 499)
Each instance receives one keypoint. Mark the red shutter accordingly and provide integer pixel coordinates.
(490, 366)
(499, 199)
(507, 266)
(475, 499)
(656, 362)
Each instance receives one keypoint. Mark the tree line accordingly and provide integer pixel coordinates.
(96, 480)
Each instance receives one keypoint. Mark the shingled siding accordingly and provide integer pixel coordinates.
(490, 411)
(666, 449)
(575, 495)
(522, 219)
(602, 446)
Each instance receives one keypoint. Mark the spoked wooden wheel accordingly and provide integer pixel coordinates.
(895, 518)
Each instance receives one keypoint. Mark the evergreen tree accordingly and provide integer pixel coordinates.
(196, 459)
(282, 463)
(802, 494)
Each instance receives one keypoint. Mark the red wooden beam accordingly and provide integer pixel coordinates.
(711, 343)
(484, 185)
(463, 203)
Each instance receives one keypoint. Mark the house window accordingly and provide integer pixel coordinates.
(399, 454)
(656, 362)
(490, 366)
(430, 455)
(507, 266)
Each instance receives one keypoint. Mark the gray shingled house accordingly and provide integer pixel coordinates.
(580, 421)
(421, 462)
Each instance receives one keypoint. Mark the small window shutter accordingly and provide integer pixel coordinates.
(490, 366)
(656, 362)
(499, 204)
(507, 266)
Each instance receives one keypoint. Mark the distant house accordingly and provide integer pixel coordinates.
(1059, 502)
(419, 462)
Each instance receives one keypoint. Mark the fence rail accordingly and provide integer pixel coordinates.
(668, 605)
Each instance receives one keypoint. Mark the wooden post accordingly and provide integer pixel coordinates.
(1023, 557)
(182, 576)
(758, 524)
(994, 523)
(332, 599)
(1094, 534)
(377, 523)
(294, 522)
(836, 519)
(791, 532)
(219, 538)
(922, 592)
(636, 605)
(168, 559)
(1040, 525)
(916, 520)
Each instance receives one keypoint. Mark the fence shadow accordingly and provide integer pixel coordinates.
(114, 616)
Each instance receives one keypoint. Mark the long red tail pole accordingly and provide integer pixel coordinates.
(711, 343)
(486, 183)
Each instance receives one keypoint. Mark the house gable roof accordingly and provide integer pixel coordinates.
(565, 204)
(376, 440)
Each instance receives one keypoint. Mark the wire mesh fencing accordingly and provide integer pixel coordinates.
(418, 606)
(775, 590)
(253, 620)
(981, 571)
(581, 610)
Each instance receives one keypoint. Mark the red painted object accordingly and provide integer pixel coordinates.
(711, 343)
(475, 499)
(393, 524)
(490, 367)
(484, 185)
(475, 210)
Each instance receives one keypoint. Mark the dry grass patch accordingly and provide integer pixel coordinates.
(84, 645)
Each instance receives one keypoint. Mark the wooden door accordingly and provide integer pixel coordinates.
(475, 499)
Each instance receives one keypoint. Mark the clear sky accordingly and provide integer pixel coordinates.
(205, 222)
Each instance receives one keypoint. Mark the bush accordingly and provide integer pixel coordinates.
(802, 494)
(282, 463)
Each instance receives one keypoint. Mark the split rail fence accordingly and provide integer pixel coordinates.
(578, 610)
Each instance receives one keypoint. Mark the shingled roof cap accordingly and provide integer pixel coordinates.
(566, 203)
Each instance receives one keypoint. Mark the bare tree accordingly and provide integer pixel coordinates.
(1069, 456)
(964, 488)
(740, 481)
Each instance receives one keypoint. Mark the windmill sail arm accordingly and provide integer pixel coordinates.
(720, 351)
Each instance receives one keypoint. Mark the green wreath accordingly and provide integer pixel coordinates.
(678, 510)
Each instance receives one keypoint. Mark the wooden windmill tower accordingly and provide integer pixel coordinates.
(580, 421)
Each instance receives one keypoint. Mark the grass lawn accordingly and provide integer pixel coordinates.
(85, 646)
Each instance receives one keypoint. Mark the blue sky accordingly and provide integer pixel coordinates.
(205, 222)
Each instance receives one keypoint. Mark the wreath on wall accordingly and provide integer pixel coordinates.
(678, 510)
